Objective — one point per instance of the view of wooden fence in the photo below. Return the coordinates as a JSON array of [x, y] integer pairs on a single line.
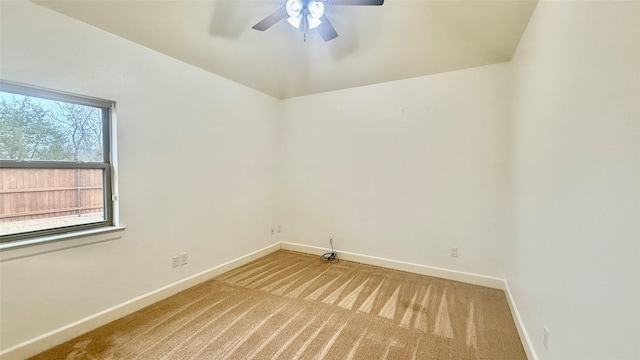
[[27, 194]]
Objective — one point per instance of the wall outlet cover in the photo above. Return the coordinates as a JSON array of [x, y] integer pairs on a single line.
[[453, 251]]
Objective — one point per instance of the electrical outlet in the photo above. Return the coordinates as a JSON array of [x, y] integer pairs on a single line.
[[175, 261], [279, 228], [453, 251], [273, 231], [183, 259], [545, 338]]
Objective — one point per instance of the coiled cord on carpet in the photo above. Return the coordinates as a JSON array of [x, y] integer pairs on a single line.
[[331, 257]]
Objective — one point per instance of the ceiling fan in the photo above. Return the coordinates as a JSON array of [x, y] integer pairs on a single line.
[[309, 14]]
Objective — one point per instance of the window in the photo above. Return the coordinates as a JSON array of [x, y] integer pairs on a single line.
[[55, 168]]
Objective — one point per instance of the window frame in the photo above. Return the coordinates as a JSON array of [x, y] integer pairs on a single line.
[[107, 107]]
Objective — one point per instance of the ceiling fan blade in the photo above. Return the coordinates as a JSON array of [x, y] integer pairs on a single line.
[[356, 2], [271, 20], [326, 30]]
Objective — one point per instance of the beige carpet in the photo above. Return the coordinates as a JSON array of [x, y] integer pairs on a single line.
[[289, 305]]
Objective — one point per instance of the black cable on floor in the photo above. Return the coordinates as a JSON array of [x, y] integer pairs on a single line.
[[332, 256]]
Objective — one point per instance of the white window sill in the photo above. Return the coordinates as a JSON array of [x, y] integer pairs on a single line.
[[46, 244]]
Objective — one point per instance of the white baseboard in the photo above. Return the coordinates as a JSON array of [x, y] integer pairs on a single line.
[[68, 332], [59, 336], [470, 278], [522, 331]]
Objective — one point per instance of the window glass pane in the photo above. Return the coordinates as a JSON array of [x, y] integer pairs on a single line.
[[54, 166], [38, 199], [37, 129]]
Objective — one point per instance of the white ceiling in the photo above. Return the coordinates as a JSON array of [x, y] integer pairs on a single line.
[[399, 40]]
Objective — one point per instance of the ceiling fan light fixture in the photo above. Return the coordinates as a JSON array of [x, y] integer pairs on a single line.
[[294, 21], [294, 8], [316, 9], [313, 22]]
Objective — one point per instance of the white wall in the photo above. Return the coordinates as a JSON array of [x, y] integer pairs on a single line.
[[197, 165], [574, 264], [402, 170]]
